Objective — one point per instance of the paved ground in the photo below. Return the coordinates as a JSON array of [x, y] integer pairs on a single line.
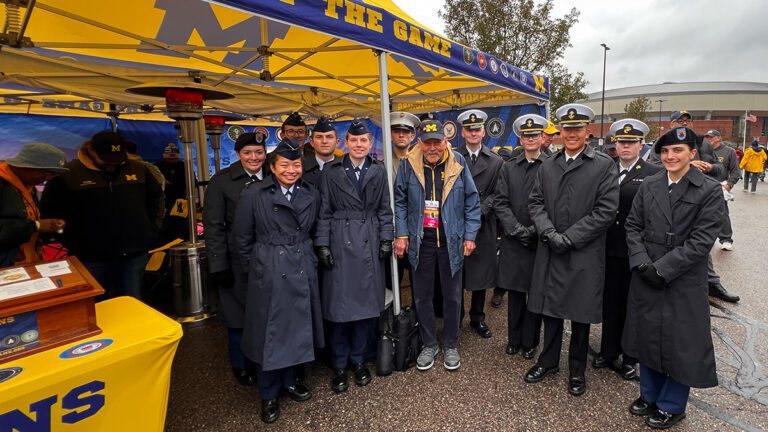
[[488, 392]]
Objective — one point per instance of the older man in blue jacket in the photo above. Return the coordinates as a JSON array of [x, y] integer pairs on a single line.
[[437, 217]]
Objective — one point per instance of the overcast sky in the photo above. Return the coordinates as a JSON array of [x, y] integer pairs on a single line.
[[654, 41]]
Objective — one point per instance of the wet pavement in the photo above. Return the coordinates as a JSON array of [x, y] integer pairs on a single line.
[[488, 391]]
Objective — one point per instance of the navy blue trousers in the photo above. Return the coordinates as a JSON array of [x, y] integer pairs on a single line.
[[349, 341], [668, 394], [431, 258], [236, 357], [270, 382]]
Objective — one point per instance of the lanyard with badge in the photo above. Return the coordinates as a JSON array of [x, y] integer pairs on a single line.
[[431, 213]]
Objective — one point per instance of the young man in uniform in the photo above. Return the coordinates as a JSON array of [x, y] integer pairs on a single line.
[[628, 137], [437, 217], [324, 141], [283, 323], [673, 223], [403, 127], [354, 237], [226, 271], [573, 203], [295, 128], [484, 165], [519, 242]]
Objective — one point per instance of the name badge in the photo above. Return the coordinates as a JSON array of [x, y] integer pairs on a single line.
[[431, 213]]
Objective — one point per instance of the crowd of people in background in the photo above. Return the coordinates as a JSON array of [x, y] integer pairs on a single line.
[[300, 241]]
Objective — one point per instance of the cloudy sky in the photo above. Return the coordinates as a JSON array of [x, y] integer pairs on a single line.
[[654, 41]]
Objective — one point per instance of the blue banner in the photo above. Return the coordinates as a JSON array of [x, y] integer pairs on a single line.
[[378, 28], [151, 137]]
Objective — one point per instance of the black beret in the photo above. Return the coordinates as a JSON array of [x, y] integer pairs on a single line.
[[681, 135], [250, 138]]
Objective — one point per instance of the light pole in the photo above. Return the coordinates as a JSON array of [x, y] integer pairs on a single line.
[[660, 101], [602, 103]]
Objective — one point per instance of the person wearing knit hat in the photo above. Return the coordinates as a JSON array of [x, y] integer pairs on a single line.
[[20, 221], [113, 208]]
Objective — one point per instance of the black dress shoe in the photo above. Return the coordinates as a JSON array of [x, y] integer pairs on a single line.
[[577, 385], [244, 377], [481, 328], [641, 408], [512, 350], [628, 372], [529, 353], [717, 290], [270, 410], [600, 362], [298, 392], [362, 374], [662, 420], [339, 381], [538, 373], [496, 300]]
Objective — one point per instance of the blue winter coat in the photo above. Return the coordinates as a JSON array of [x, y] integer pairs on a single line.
[[283, 319], [460, 207]]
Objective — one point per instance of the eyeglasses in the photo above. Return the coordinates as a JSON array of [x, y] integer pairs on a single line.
[[295, 132], [683, 121]]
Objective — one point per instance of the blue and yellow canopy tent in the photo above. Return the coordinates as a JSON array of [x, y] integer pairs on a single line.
[[329, 57]]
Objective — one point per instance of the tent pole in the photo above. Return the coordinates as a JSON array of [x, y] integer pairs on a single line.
[[386, 142]]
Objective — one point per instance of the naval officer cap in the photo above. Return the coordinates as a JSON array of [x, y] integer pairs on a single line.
[[681, 135], [472, 119], [574, 115], [288, 149], [358, 127], [629, 130], [529, 124], [403, 120], [323, 125]]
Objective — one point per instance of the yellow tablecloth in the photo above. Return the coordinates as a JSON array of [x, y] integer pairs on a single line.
[[123, 386]]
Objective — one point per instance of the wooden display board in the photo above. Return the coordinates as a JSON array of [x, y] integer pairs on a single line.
[[43, 311]]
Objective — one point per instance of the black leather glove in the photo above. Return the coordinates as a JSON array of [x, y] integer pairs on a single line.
[[518, 231], [650, 275], [324, 256], [559, 243], [222, 279], [528, 237], [385, 249]]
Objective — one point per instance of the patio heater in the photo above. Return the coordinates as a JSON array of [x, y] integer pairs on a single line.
[[214, 127], [188, 264]]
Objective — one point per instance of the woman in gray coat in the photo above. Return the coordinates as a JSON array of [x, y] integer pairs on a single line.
[[226, 272], [672, 226]]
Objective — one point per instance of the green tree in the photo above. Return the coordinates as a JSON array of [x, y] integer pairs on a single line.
[[522, 32], [639, 109]]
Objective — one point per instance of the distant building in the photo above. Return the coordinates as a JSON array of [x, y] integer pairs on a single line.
[[714, 105]]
